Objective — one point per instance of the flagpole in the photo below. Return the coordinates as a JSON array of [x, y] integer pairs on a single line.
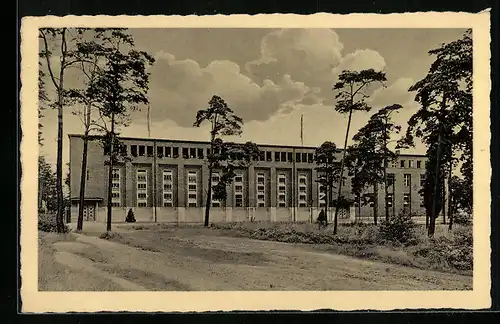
[[302, 130], [149, 120]]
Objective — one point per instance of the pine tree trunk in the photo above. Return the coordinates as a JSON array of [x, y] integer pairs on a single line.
[[209, 197], [341, 178], [386, 193], [359, 207], [110, 172], [443, 201], [375, 203], [83, 176], [433, 216], [450, 200], [59, 163], [83, 179]]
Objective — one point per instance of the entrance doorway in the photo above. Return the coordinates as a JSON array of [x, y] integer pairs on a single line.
[[89, 212]]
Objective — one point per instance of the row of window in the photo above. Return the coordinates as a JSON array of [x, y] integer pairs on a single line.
[[408, 164], [199, 153], [192, 185]]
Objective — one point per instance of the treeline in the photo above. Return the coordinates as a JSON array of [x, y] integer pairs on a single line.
[[443, 123]]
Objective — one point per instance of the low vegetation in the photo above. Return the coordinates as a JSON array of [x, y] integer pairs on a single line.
[[398, 241], [47, 223]]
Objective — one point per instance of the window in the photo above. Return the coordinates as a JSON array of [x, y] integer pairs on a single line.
[[123, 149], [310, 158], [390, 200], [407, 180], [277, 156], [402, 163], [281, 178], [297, 157], [192, 153], [419, 164], [185, 153], [269, 156], [142, 188], [391, 179], [192, 189], [115, 187], [168, 200], [302, 190], [238, 200], [200, 153], [304, 157], [150, 150], [422, 179], [159, 151], [215, 178], [261, 190], [290, 157], [410, 163], [283, 156], [133, 150], [215, 181], [321, 195], [262, 156], [422, 201], [142, 150], [168, 151], [406, 199], [175, 153], [238, 178]]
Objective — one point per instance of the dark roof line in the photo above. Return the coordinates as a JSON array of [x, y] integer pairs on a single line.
[[207, 143]]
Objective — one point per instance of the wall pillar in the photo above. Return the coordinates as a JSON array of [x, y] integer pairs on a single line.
[[129, 196], [251, 187]]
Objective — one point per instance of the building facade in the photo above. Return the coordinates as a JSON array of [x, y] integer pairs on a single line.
[[167, 181]]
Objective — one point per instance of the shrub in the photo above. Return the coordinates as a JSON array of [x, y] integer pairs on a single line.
[[399, 229], [462, 218], [47, 223], [130, 216], [110, 236]]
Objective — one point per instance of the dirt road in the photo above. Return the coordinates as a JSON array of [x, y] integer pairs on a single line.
[[196, 260]]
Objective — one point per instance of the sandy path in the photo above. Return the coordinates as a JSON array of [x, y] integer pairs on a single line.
[[198, 262]]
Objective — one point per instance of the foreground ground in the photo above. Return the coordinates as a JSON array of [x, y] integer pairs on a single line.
[[204, 259]]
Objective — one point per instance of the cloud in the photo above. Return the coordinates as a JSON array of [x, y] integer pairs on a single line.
[[395, 93], [179, 88], [311, 56], [360, 60], [308, 55]]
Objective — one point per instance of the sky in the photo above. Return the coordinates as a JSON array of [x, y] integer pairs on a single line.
[[270, 78]]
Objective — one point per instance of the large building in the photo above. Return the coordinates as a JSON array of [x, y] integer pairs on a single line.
[[167, 180]]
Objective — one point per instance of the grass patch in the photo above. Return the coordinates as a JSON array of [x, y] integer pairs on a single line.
[[447, 252]]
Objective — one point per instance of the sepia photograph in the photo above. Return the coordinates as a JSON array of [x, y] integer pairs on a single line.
[[288, 159]]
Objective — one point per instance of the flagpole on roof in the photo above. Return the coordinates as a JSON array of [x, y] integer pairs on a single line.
[[149, 120], [302, 130]]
